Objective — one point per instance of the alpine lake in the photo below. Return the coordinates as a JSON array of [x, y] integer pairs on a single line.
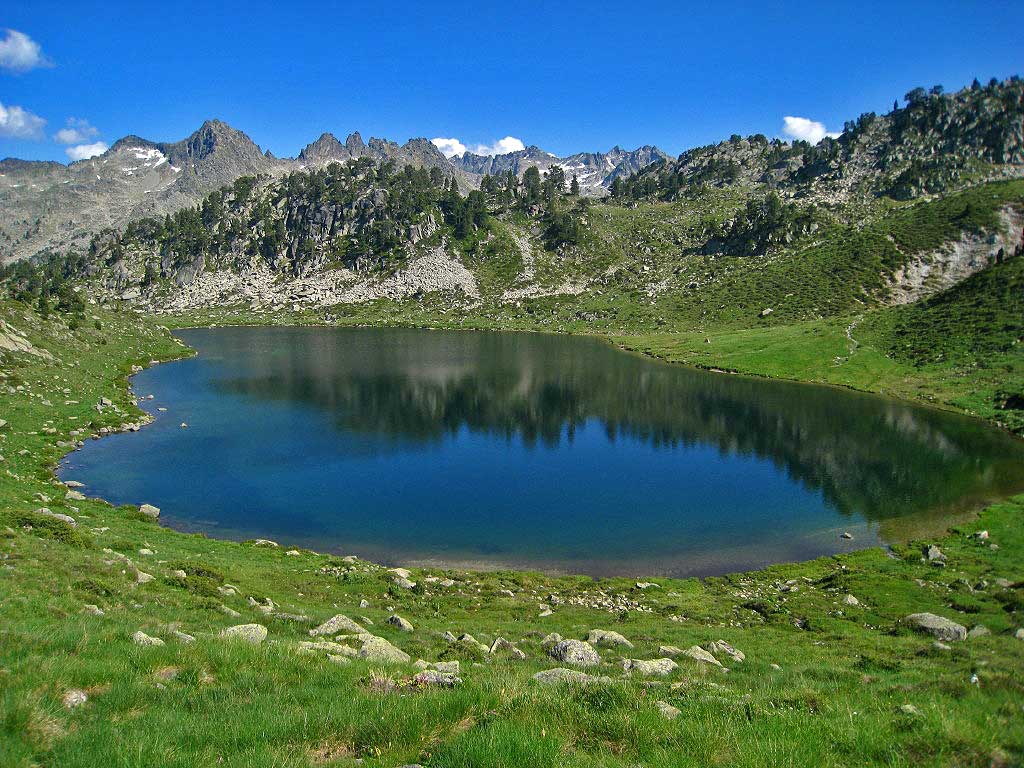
[[518, 450]]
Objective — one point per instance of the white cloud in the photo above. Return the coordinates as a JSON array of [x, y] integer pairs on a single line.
[[500, 147], [20, 53], [805, 129], [449, 147], [19, 123], [77, 131], [455, 148], [85, 151]]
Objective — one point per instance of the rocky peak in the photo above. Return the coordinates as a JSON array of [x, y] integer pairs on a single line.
[[325, 149]]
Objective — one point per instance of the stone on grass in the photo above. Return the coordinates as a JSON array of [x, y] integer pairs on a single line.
[[92, 610], [501, 645], [141, 638], [326, 646], [650, 667], [227, 611], [722, 648], [607, 638], [340, 659], [337, 625], [141, 577], [265, 543], [46, 512], [851, 601], [979, 630], [670, 650], [1019, 634], [380, 650], [697, 653], [250, 633], [403, 582], [183, 637], [150, 511], [551, 639], [397, 621], [937, 626], [909, 709], [76, 697], [934, 554], [667, 710], [576, 652]]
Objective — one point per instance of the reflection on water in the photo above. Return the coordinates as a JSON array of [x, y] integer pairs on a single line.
[[534, 450]]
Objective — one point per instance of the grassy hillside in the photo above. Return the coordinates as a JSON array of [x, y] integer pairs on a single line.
[[826, 680]]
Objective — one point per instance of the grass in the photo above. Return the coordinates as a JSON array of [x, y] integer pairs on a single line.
[[822, 684]]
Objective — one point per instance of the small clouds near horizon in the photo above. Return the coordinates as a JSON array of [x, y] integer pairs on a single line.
[[20, 53], [805, 129], [76, 131], [18, 123], [85, 151], [451, 147]]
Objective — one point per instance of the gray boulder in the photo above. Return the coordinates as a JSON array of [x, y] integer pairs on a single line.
[[937, 626], [336, 625], [397, 621], [380, 650], [250, 633], [575, 652], [607, 638], [650, 667]]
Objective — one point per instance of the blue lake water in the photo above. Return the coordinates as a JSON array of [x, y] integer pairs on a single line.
[[526, 450]]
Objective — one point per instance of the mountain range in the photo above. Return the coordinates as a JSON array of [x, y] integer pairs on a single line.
[[50, 206]]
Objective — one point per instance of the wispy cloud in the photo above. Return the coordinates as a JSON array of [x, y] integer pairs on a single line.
[[85, 151], [19, 123], [20, 53], [76, 131], [805, 129], [451, 147]]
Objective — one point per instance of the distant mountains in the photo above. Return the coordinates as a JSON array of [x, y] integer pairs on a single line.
[[47, 205]]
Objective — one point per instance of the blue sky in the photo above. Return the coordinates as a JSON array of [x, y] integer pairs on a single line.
[[567, 76]]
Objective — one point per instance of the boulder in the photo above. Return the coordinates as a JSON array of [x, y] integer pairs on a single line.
[[576, 652], [979, 630], [501, 645], [397, 621], [380, 650], [326, 646], [141, 638], [722, 648], [250, 633], [607, 638], [667, 710], [150, 511], [937, 626], [650, 667], [697, 653], [46, 512], [336, 625]]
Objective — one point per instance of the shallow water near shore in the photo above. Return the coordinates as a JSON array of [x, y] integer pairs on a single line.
[[531, 451]]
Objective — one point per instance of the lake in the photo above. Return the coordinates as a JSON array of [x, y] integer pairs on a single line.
[[524, 450]]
